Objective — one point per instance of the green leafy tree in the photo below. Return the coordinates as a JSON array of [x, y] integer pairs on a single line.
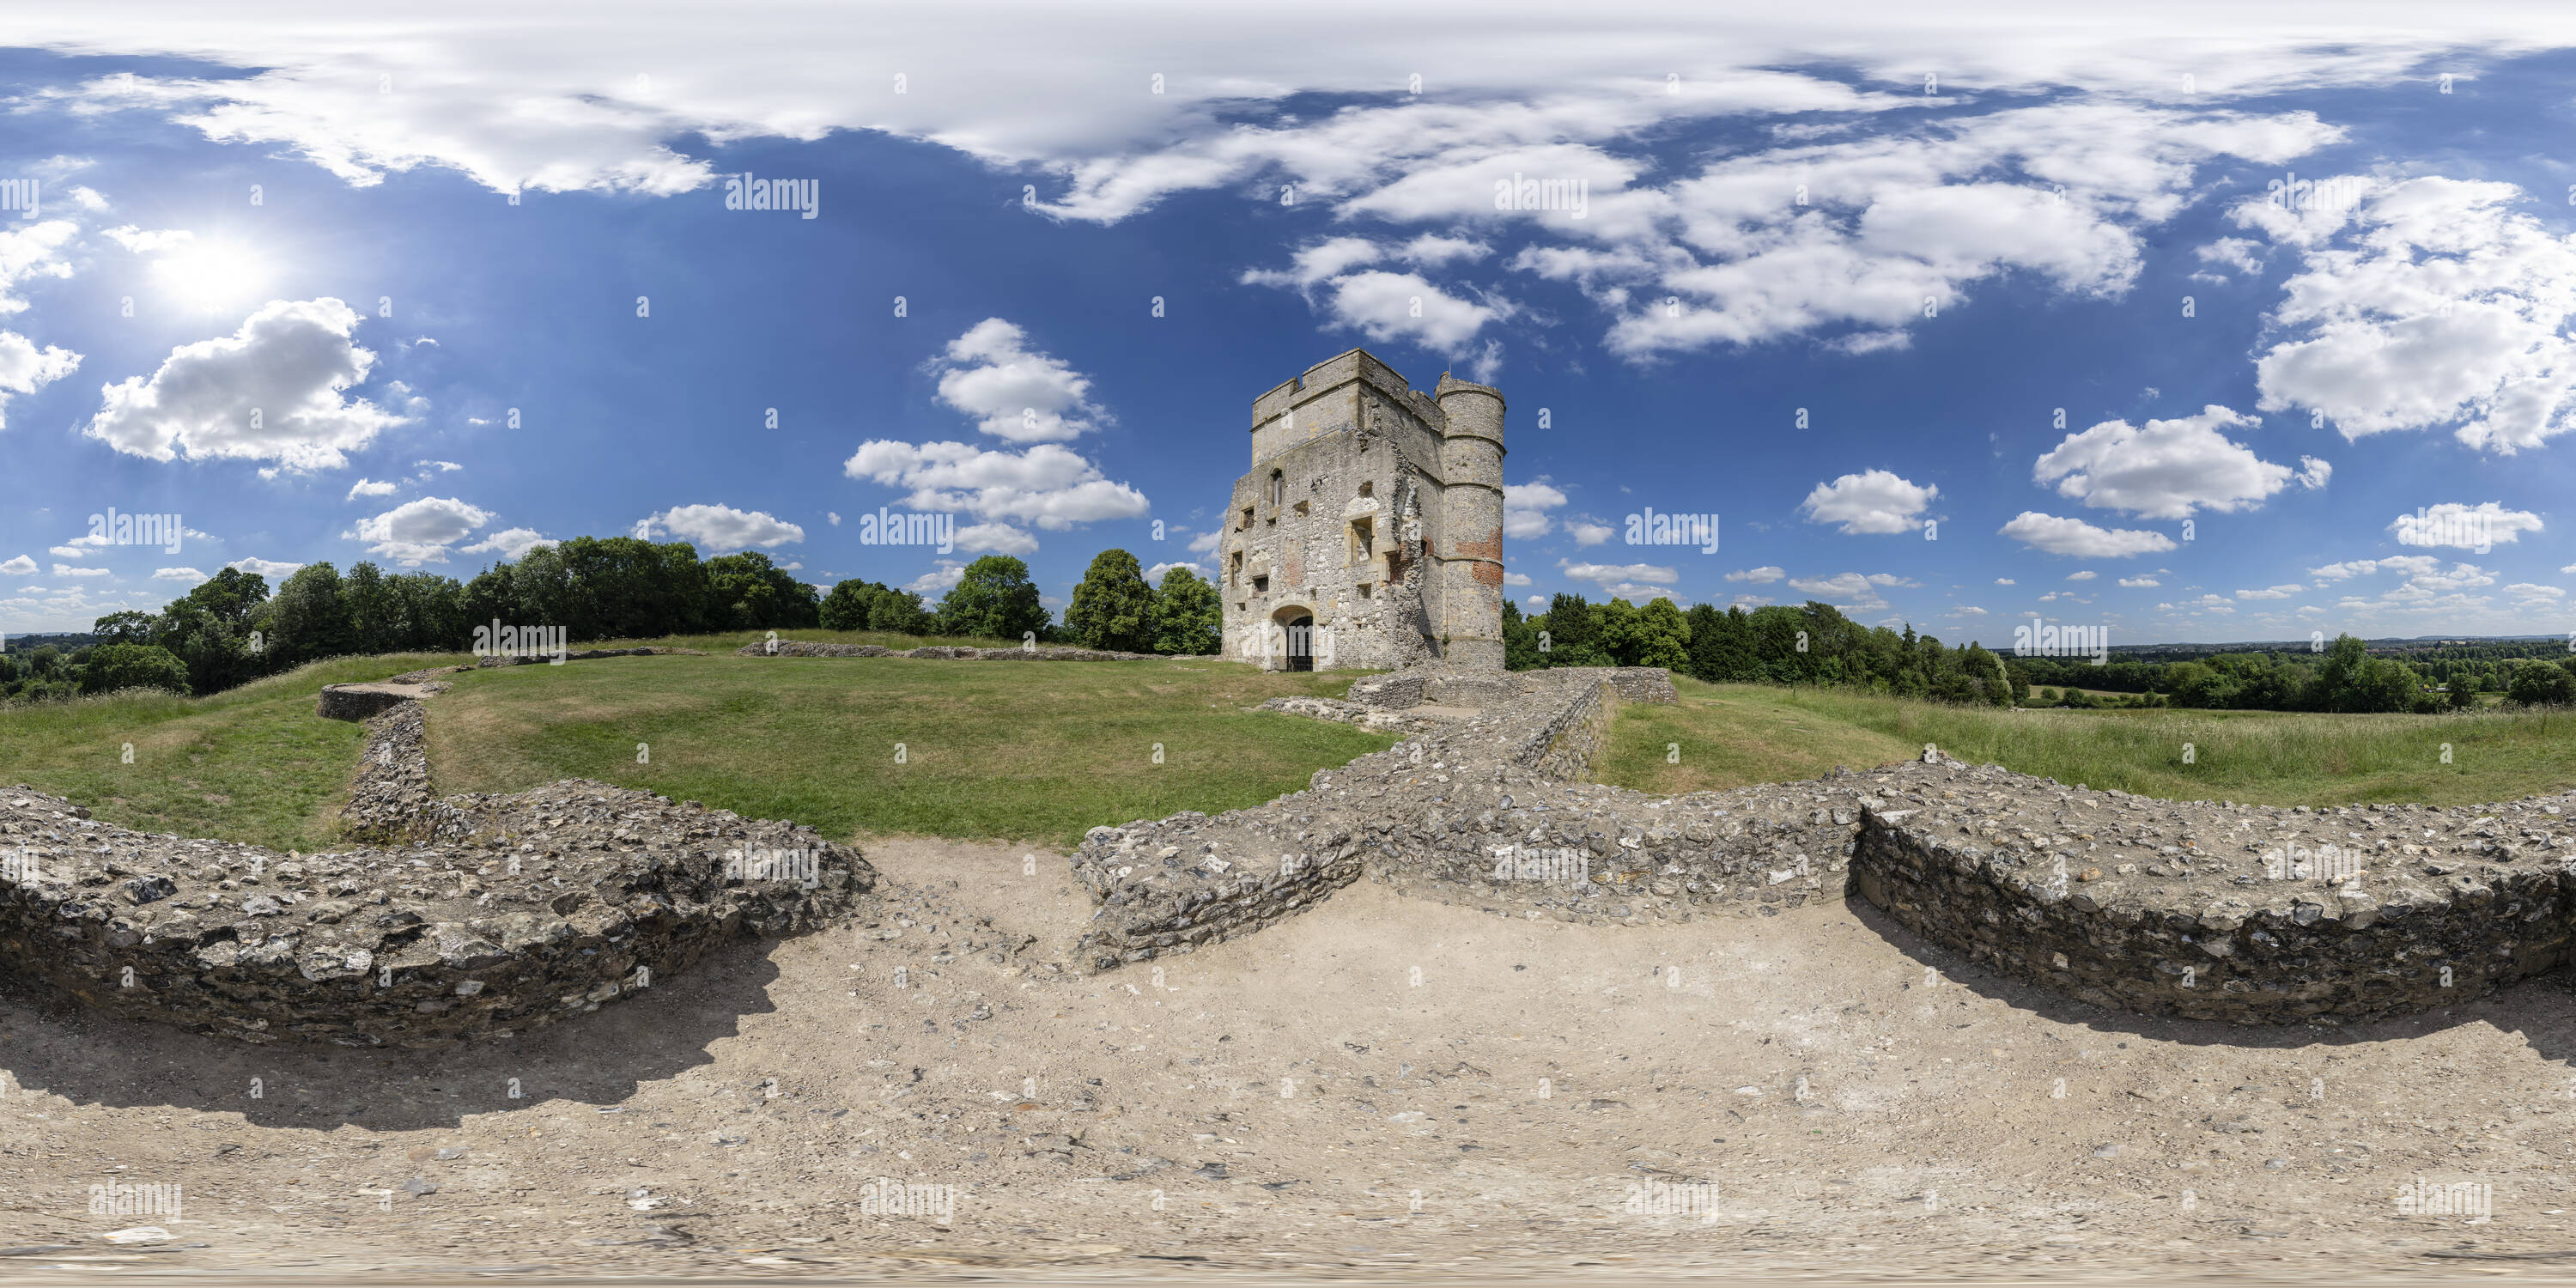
[[112, 667], [1113, 606], [308, 619], [760, 595], [1187, 616], [993, 599], [1656, 635], [2541, 684], [124, 628], [846, 607], [1520, 640]]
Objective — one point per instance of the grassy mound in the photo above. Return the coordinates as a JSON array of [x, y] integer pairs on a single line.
[[1038, 751], [1734, 734], [253, 764]]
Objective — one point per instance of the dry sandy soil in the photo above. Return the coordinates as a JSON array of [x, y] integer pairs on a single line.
[[1381, 1089]]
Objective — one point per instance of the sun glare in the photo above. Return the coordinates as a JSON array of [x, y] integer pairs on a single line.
[[211, 275]]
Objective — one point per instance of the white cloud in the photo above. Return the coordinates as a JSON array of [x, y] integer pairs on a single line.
[[724, 529], [443, 467], [1516, 579], [510, 543], [1047, 485], [2086, 575], [2272, 592], [1849, 591], [1525, 507], [149, 242], [1626, 580], [2478, 527], [832, 517], [2165, 470], [2314, 472], [1013, 392], [369, 487], [1873, 502], [2533, 595], [1154, 575], [273, 390], [268, 568], [2005, 581], [937, 581], [419, 532], [22, 566], [189, 575], [1207, 541], [2062, 536], [66, 570], [2137, 583], [997, 538], [25, 368], [2239, 253], [1759, 576], [2432, 302], [68, 552], [1588, 533]]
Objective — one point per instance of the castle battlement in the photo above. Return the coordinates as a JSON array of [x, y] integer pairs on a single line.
[[1368, 532]]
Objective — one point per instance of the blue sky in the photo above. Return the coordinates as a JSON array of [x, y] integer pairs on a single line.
[[2065, 337]]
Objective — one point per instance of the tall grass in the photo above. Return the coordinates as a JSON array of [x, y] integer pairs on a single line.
[[2269, 758]]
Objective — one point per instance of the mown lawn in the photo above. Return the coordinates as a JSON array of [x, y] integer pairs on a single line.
[[1034, 751], [253, 764], [1734, 734]]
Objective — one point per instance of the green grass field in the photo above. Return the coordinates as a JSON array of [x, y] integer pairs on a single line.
[[1734, 734], [253, 764], [1037, 751]]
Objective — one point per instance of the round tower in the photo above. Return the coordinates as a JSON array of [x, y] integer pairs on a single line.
[[1471, 524]]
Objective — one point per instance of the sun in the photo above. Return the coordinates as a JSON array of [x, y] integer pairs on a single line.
[[211, 274]]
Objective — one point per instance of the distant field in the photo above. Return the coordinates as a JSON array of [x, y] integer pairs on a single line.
[[1731, 735], [1037, 751], [253, 764]]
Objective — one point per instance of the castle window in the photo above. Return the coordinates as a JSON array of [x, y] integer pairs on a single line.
[[1301, 507], [1368, 489], [1278, 489], [1247, 517], [1365, 589], [1235, 578], [1261, 585], [1363, 540]]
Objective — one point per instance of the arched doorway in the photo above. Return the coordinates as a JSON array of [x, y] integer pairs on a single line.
[[1296, 638]]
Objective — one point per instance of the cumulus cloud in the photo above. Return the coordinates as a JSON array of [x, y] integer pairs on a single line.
[[723, 528], [2164, 470], [419, 532], [1525, 507], [66, 570], [996, 538], [1850, 591], [1516, 579], [189, 576], [2271, 592], [1048, 486], [25, 368], [1873, 502], [2075, 537], [271, 569], [2137, 583], [1206, 541], [273, 390], [1013, 392], [1608, 576], [1589, 533], [509, 543], [1759, 576], [1154, 575], [2430, 302], [21, 566], [2478, 527], [1390, 306], [939, 579], [369, 487]]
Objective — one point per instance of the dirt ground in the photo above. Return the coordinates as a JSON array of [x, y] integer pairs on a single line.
[[1380, 1089]]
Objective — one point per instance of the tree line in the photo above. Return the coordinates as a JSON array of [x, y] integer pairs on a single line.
[[231, 629], [1815, 643]]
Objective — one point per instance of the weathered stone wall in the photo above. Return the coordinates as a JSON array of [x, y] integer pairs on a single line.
[[483, 916]]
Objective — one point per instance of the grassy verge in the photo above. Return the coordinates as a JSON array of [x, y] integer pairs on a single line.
[[1732, 735], [1038, 751], [253, 764]]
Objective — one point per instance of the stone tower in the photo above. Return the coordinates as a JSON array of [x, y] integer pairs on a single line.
[[1369, 531]]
